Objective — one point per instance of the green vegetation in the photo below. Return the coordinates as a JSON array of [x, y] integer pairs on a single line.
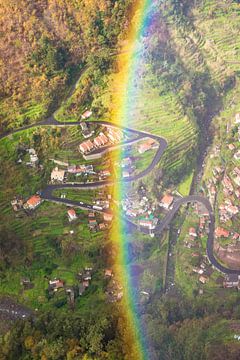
[[41, 62], [46, 244], [190, 74], [185, 186]]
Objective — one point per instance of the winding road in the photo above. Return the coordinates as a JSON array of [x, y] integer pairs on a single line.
[[47, 193]]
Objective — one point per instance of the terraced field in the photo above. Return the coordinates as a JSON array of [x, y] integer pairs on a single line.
[[218, 24], [160, 114]]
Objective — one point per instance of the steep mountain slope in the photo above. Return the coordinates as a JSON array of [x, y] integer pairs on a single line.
[[44, 45]]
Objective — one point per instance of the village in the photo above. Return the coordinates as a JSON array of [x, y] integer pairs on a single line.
[[137, 206], [98, 141], [223, 190]]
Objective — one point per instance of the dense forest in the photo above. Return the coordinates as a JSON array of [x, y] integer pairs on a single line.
[[44, 45]]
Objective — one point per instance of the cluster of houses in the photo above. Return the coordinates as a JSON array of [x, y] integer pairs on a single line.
[[140, 210], [126, 164], [17, 203], [227, 210], [94, 225], [191, 241], [110, 137], [80, 169], [61, 175], [84, 277], [201, 231], [86, 131], [232, 281], [31, 204], [193, 234], [32, 161], [224, 234], [114, 291], [204, 270], [166, 202], [230, 183]]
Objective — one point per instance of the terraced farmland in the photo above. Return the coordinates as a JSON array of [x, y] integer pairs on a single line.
[[218, 24]]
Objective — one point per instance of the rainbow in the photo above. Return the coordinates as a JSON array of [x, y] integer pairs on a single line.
[[128, 65]]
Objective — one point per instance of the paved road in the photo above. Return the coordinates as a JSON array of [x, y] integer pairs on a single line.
[[47, 193], [10, 310]]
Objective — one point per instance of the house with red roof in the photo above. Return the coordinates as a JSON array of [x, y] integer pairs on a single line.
[[86, 146], [108, 273], [166, 201], [220, 232], [146, 146], [108, 216], [114, 135], [33, 202], [55, 285], [100, 140], [72, 215]]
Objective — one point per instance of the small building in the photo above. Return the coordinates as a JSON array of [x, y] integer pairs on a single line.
[[147, 223], [57, 175], [55, 285], [34, 160], [72, 215], [108, 217], [100, 140], [17, 204], [237, 155], [203, 279], [91, 215], [87, 114], [92, 222], [102, 226], [237, 118], [105, 173], [85, 130], [86, 147], [220, 232], [126, 162], [231, 281], [114, 135], [132, 213], [166, 201], [33, 202], [232, 210], [87, 276], [231, 147], [108, 273], [192, 232], [195, 254], [26, 283], [202, 211], [146, 146], [125, 174]]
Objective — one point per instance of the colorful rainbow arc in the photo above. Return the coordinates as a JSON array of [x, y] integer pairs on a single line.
[[129, 62]]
